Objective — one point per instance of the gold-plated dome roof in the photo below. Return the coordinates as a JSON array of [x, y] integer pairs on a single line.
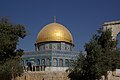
[[54, 32]]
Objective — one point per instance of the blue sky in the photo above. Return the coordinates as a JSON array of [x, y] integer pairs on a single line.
[[81, 17]]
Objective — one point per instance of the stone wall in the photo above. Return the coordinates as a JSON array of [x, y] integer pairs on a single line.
[[59, 75], [43, 75]]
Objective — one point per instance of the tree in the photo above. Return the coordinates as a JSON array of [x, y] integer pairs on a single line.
[[102, 56], [10, 70], [75, 68], [9, 54], [110, 52]]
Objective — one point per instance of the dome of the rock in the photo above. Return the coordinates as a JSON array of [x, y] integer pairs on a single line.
[[54, 32]]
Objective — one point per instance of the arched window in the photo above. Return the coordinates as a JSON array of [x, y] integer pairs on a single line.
[[47, 46], [48, 62], [61, 63], [55, 62], [66, 63], [29, 64], [38, 62], [43, 61], [58, 46]]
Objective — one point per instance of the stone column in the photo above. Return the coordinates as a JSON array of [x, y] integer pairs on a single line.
[[32, 68], [52, 62], [58, 62], [63, 62], [26, 68], [35, 68], [45, 61], [39, 68]]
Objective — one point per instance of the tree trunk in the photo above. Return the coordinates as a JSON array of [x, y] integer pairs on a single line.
[[106, 76]]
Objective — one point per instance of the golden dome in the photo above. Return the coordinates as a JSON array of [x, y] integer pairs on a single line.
[[54, 32]]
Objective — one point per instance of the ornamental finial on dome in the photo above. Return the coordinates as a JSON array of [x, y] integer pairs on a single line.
[[54, 19]]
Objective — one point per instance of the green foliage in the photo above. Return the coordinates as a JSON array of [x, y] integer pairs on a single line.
[[10, 69], [109, 52], [76, 68], [10, 56], [9, 38], [102, 56]]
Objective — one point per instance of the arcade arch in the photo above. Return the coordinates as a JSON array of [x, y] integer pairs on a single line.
[[115, 28]]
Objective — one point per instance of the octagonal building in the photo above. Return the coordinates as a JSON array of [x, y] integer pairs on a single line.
[[53, 50]]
